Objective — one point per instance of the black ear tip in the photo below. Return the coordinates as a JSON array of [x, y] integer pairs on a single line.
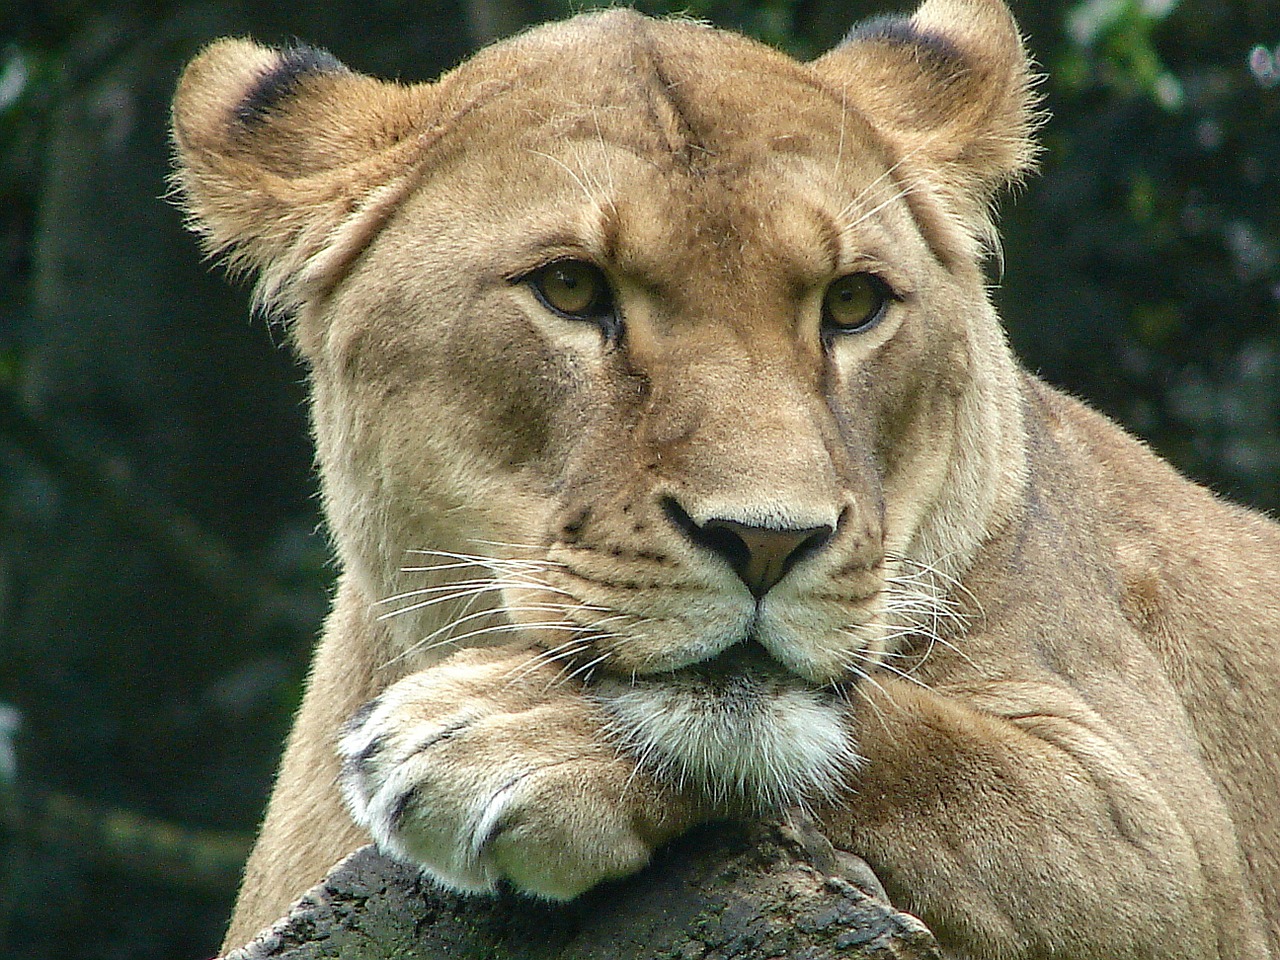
[[279, 82], [884, 26], [904, 31]]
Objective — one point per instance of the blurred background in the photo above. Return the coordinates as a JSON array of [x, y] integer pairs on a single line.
[[162, 574]]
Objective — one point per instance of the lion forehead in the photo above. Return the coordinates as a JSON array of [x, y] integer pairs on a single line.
[[670, 91]]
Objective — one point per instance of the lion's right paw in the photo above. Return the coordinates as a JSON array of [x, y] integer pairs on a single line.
[[484, 769]]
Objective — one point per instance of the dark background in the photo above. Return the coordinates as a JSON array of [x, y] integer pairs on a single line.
[[161, 571]]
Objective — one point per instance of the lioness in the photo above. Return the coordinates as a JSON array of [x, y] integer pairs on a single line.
[[678, 468]]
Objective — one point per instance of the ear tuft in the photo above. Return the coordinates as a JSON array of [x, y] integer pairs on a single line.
[[283, 78]]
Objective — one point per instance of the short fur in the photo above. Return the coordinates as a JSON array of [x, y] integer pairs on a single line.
[[1021, 667]]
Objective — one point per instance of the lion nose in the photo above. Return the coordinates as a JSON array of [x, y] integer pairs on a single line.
[[760, 556]]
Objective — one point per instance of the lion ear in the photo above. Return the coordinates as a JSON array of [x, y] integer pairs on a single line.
[[951, 88], [284, 159]]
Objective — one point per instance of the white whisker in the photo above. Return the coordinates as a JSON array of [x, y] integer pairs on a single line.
[[478, 559], [461, 586], [516, 546], [901, 194], [877, 183], [586, 668], [434, 601], [569, 170], [438, 638], [565, 651]]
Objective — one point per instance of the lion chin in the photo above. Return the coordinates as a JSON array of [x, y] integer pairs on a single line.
[[736, 727]]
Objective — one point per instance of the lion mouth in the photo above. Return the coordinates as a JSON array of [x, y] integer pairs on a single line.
[[745, 667]]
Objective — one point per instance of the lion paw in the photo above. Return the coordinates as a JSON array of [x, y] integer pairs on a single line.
[[484, 769]]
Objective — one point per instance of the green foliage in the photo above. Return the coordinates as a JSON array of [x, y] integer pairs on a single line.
[[1114, 42], [1143, 265]]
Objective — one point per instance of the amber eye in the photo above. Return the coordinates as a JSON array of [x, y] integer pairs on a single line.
[[573, 289], [854, 302]]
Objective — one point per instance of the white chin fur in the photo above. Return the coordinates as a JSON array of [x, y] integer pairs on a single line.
[[761, 743]]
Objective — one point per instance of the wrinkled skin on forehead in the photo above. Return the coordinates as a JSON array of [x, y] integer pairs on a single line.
[[677, 468]]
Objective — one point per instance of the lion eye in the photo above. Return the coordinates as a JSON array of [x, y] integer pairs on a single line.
[[573, 289], [854, 302]]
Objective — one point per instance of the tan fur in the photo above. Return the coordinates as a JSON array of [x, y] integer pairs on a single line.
[[1030, 675]]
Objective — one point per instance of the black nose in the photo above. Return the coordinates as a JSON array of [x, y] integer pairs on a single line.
[[760, 556]]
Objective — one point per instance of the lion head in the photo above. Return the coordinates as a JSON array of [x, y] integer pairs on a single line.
[[649, 345]]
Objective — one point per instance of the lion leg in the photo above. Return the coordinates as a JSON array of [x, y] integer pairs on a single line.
[[1020, 832]]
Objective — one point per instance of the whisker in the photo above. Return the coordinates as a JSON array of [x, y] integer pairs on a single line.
[[506, 566], [569, 647], [463, 586], [846, 693], [910, 155], [935, 570], [458, 591], [504, 582], [477, 559], [867, 676], [461, 565], [434, 601], [516, 546], [569, 170], [608, 167], [840, 149], [864, 193], [892, 654], [432, 640], [564, 651], [901, 194], [586, 668], [876, 184], [503, 611], [515, 628], [903, 674]]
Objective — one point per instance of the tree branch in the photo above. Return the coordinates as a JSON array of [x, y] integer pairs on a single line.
[[124, 840], [745, 892]]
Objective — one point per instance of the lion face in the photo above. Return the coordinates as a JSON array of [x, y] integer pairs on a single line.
[[670, 358]]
